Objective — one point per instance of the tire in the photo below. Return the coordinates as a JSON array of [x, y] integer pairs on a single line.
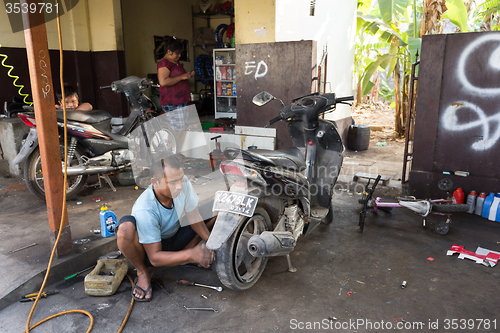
[[238, 276], [163, 139], [449, 208], [33, 175], [442, 228]]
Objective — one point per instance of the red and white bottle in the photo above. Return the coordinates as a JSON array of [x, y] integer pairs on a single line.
[[471, 201], [480, 202]]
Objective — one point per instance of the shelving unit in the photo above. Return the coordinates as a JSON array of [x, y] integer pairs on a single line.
[[225, 83]]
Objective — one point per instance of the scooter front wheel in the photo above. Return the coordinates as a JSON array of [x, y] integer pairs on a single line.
[[236, 267], [33, 174]]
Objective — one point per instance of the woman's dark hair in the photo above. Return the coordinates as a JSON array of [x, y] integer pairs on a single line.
[[174, 45]]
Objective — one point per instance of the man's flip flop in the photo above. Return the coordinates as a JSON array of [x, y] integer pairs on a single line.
[[144, 299]]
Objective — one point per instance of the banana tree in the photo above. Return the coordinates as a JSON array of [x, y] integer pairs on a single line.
[[397, 23], [391, 21]]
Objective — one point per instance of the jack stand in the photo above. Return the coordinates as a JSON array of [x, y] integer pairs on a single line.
[[108, 181], [290, 267], [216, 156]]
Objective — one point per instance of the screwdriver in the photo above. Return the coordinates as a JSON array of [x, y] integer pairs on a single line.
[[77, 273], [189, 283]]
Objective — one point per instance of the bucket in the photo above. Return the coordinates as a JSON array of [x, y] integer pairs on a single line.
[[358, 137]]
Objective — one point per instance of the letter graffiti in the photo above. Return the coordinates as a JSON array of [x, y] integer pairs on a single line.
[[449, 118], [261, 68]]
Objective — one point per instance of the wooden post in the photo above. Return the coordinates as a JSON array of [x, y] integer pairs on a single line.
[[35, 34]]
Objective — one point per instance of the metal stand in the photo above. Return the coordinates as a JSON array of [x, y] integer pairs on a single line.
[[290, 267]]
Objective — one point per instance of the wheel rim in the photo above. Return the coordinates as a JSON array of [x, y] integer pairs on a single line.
[[163, 140], [73, 182], [247, 267]]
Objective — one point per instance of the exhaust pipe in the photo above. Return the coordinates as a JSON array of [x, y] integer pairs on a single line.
[[90, 170], [271, 244]]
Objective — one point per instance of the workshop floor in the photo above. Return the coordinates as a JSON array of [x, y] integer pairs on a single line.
[[345, 281]]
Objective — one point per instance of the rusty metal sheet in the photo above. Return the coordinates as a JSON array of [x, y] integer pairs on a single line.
[[284, 69]]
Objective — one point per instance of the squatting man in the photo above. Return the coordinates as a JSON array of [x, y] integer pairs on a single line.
[[153, 236]]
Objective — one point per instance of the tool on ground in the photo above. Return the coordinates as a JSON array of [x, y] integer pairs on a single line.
[[201, 309], [189, 283], [22, 248], [32, 297], [77, 273]]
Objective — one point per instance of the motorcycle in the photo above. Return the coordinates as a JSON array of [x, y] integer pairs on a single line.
[[92, 148], [276, 196]]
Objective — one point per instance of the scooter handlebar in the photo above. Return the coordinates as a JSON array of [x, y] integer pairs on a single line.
[[272, 121], [345, 99]]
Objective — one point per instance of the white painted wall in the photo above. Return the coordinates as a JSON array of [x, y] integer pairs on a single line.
[[333, 26]]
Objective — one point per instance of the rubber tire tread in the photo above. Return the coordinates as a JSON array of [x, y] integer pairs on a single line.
[[224, 256], [33, 188], [450, 208]]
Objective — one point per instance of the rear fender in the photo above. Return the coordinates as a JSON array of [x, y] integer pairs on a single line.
[[224, 227], [28, 147]]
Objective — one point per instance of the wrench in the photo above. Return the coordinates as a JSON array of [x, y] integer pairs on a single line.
[[201, 309], [189, 283]]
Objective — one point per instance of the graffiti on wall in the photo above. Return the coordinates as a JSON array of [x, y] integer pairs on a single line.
[[490, 125], [260, 69]]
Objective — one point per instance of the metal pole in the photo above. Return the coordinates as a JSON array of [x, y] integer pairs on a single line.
[[35, 35]]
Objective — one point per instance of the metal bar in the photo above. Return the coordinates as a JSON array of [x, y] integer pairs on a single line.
[[35, 35], [409, 121]]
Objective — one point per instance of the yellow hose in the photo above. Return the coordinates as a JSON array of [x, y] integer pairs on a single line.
[[15, 77], [62, 217]]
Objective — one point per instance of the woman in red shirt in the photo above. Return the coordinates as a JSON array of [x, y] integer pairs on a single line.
[[174, 87]]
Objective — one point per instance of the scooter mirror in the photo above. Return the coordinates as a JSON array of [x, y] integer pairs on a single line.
[[262, 98]]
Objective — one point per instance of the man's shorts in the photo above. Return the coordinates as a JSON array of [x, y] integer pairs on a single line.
[[175, 243], [177, 115]]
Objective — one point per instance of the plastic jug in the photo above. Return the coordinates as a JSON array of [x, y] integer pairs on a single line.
[[479, 203], [494, 208], [471, 201], [108, 222], [458, 196], [487, 205]]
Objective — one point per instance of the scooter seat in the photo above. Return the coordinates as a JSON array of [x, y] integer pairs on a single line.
[[290, 158], [89, 117]]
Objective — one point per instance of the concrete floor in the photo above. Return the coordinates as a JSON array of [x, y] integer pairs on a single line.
[[345, 281]]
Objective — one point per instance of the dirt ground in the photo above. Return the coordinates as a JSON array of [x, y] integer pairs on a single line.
[[381, 119]]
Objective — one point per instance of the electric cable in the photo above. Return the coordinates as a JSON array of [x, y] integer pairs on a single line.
[[15, 77], [64, 212]]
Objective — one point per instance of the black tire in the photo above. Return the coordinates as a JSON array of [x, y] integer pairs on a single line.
[[442, 228], [450, 208], [33, 175], [162, 140], [241, 276]]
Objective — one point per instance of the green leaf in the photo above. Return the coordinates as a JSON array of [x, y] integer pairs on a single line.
[[377, 26], [370, 70], [414, 45], [457, 13], [390, 10], [393, 50]]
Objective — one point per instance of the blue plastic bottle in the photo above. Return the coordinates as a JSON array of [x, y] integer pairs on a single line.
[[487, 205], [108, 222], [495, 209]]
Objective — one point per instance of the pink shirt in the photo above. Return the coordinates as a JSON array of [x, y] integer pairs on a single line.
[[179, 93]]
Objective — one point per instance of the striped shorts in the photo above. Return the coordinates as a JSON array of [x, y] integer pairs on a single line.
[[177, 115]]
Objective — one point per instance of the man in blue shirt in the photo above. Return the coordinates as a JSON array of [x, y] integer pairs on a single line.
[[152, 235]]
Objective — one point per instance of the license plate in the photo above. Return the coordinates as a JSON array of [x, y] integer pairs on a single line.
[[237, 203]]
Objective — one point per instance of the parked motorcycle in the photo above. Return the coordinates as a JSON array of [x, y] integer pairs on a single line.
[[275, 196], [92, 147]]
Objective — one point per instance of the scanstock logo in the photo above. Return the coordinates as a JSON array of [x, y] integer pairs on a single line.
[[50, 8]]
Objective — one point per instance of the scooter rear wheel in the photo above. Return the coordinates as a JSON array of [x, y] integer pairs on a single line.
[[236, 267], [33, 174]]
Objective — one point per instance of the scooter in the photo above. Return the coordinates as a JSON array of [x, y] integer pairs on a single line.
[[276, 196], [92, 148]]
